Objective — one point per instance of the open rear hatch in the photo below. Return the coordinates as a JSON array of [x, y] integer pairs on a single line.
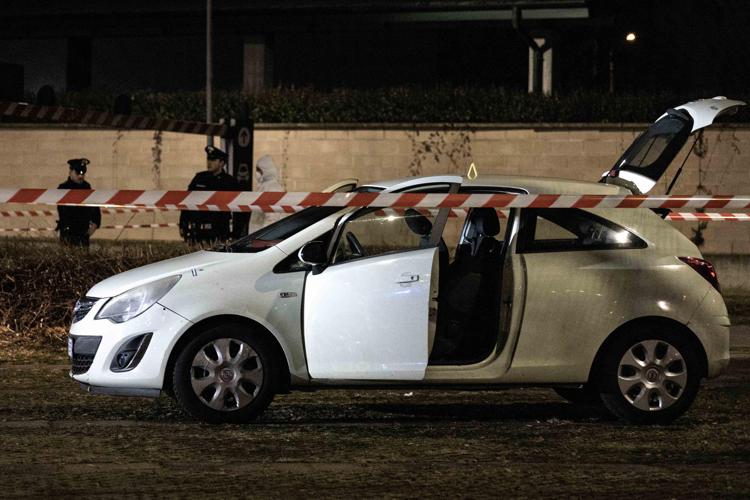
[[649, 156], [342, 186]]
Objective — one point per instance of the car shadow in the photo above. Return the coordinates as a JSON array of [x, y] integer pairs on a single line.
[[403, 413], [493, 412]]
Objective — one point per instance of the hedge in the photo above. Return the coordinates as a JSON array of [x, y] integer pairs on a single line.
[[41, 280], [400, 105]]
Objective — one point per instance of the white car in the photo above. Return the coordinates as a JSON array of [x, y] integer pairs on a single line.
[[604, 305]]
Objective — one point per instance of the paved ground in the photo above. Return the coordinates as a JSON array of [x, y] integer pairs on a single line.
[[56, 440]]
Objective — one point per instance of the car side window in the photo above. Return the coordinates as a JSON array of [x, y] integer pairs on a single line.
[[379, 231], [562, 230], [546, 231]]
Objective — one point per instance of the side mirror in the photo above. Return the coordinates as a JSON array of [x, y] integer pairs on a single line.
[[314, 254]]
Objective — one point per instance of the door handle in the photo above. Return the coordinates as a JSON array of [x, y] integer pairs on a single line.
[[408, 278]]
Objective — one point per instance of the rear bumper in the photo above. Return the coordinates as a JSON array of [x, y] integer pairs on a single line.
[[718, 367], [710, 323], [715, 339]]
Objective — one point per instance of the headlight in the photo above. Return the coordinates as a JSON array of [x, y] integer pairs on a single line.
[[137, 300]]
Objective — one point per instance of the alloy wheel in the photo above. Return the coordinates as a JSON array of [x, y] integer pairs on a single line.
[[226, 374], [652, 375]]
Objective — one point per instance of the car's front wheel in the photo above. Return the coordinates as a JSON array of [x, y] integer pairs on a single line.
[[650, 375], [227, 374]]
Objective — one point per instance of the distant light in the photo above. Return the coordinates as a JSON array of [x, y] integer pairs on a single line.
[[630, 37]]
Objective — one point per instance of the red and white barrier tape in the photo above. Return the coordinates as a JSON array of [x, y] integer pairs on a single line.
[[115, 226], [52, 213], [700, 216], [458, 212], [27, 213], [245, 200], [102, 119]]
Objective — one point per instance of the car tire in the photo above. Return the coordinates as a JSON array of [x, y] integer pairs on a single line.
[[226, 374], [650, 375], [588, 395]]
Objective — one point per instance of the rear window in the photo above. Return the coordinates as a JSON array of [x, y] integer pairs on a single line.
[[564, 230], [652, 152]]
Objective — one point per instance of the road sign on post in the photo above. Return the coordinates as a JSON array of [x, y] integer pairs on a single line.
[[240, 145]]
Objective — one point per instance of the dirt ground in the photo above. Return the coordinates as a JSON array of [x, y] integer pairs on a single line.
[[57, 440]]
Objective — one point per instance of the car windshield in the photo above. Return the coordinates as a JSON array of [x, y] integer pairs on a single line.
[[278, 231]]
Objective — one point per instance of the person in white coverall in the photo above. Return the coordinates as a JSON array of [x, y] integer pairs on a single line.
[[266, 179]]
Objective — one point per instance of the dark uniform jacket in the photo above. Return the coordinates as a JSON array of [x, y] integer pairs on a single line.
[[74, 221], [206, 226]]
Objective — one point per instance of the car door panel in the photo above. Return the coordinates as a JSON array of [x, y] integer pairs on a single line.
[[367, 319]]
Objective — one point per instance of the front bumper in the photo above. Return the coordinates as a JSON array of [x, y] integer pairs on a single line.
[[165, 327], [121, 391]]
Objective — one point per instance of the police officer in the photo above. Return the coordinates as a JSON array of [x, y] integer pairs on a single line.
[[198, 226], [77, 224]]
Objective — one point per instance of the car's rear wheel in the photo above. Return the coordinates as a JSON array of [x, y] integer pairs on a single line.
[[227, 374], [650, 375]]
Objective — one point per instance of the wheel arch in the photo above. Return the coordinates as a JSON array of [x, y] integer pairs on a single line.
[[649, 320], [213, 321]]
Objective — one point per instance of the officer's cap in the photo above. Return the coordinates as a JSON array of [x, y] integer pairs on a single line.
[[213, 153], [79, 165]]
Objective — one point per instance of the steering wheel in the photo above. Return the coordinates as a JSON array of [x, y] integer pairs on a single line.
[[354, 245]]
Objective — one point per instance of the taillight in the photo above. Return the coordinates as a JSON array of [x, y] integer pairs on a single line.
[[704, 268]]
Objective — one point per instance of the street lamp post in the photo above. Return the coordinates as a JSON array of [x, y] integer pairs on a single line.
[[209, 72]]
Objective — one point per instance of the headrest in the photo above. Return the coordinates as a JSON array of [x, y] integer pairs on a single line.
[[485, 221], [417, 222]]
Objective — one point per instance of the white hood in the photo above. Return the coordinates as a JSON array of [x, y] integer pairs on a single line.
[[267, 175], [123, 282]]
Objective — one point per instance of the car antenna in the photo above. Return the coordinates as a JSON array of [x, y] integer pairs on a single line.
[[698, 136], [472, 173]]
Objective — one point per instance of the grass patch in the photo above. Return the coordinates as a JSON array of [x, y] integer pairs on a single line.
[[41, 281]]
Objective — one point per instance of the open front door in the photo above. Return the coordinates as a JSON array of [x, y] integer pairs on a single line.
[[367, 315], [368, 320]]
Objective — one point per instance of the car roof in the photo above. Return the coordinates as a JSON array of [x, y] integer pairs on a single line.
[[529, 184]]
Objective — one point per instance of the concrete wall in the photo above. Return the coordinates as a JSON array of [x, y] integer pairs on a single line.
[[309, 158], [733, 271]]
